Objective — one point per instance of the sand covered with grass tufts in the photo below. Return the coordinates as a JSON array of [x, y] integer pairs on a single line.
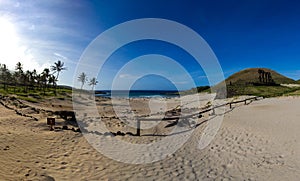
[[258, 141]]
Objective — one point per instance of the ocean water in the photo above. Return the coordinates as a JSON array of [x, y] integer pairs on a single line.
[[138, 93]]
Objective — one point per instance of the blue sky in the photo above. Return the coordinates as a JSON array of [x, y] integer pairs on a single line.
[[242, 34]]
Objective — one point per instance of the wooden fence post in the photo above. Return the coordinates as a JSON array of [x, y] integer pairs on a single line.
[[138, 127], [51, 122]]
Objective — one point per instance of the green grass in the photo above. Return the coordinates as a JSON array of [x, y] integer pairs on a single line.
[[241, 83], [29, 99], [295, 93], [265, 91], [202, 89], [36, 94]]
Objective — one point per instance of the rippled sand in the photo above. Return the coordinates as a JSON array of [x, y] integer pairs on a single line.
[[259, 141]]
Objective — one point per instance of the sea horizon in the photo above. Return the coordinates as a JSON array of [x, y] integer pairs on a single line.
[[137, 93]]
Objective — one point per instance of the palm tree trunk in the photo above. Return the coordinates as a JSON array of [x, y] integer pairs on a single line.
[[56, 79]]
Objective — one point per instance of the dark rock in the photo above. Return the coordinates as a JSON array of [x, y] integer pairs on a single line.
[[120, 133], [129, 133], [46, 178]]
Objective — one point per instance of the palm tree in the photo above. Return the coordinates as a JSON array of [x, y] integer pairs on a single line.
[[82, 78], [19, 67], [93, 82], [19, 73], [38, 79], [8, 78], [45, 77], [57, 68], [4, 76], [34, 80], [52, 80], [27, 79], [30, 78]]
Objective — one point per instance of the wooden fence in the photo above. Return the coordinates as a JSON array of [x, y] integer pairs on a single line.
[[198, 114]]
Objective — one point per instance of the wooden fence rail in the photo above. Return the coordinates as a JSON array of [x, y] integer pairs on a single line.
[[198, 114]]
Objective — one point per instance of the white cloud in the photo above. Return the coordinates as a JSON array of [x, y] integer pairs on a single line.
[[60, 56], [127, 76]]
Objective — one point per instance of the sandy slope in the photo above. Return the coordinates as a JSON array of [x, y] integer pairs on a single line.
[[259, 141]]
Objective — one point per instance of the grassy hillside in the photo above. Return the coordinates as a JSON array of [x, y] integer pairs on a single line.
[[251, 75], [247, 82]]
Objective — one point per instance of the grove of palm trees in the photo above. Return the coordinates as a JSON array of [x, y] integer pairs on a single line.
[[31, 85]]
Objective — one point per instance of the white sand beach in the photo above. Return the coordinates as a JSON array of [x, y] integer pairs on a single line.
[[258, 141]]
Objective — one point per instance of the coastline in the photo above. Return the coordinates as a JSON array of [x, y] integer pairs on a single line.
[[137, 93]]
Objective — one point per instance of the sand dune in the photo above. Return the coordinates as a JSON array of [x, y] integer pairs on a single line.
[[259, 141]]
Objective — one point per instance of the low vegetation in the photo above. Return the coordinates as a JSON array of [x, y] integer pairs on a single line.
[[254, 81], [21, 81], [30, 85], [261, 76], [265, 91], [199, 89], [259, 82], [36, 95], [294, 93]]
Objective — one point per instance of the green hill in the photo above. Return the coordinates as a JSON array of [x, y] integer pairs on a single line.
[[251, 75], [253, 81], [250, 82]]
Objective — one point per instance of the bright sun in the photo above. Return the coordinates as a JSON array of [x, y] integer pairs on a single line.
[[12, 50], [8, 42]]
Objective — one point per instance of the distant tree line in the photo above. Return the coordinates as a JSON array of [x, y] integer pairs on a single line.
[[30, 80]]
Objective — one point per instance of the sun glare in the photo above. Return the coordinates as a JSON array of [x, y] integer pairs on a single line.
[[8, 42], [12, 50]]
